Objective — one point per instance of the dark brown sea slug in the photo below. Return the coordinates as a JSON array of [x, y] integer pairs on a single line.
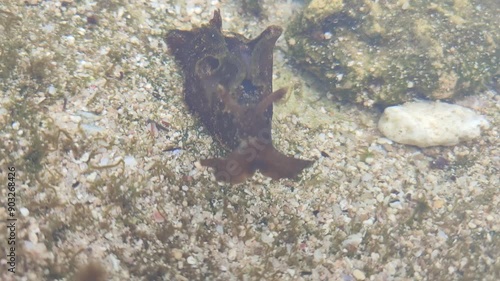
[[228, 85]]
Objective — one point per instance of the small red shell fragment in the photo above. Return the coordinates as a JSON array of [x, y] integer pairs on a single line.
[[158, 217]]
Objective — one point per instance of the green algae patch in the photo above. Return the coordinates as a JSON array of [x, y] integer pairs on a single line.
[[381, 53]]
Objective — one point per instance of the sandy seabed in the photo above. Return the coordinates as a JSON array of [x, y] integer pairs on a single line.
[[108, 185]]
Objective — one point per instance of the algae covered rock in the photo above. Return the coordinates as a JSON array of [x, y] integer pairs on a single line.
[[389, 52]]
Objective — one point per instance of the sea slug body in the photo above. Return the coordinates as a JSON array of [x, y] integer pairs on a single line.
[[228, 85]]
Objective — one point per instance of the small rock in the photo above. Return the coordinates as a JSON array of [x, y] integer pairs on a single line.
[[472, 225], [396, 205], [24, 212], [197, 10], [220, 229], [177, 253], [353, 240], [130, 161], [318, 254], [358, 274], [268, 239], [231, 255], [114, 261], [33, 237], [442, 234], [427, 124], [92, 177], [192, 261], [438, 203]]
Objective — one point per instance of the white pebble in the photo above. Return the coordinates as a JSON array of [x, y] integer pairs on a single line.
[[353, 240], [231, 255], [220, 229], [368, 222], [192, 261], [24, 212], [442, 234], [33, 237], [268, 239], [367, 177], [358, 274], [451, 270], [52, 90], [396, 205], [92, 177], [114, 261], [197, 10], [70, 40], [130, 161], [425, 124], [318, 254]]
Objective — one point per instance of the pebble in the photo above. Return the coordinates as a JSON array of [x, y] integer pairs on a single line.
[[353, 240], [33, 237], [197, 10], [396, 205], [442, 234], [358, 274], [231, 255], [434, 254], [114, 261], [318, 254], [24, 212], [52, 90], [426, 124], [268, 239], [472, 225], [438, 203], [177, 253], [92, 177], [220, 229], [130, 161], [190, 260]]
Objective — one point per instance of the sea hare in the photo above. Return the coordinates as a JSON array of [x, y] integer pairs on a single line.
[[228, 85]]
